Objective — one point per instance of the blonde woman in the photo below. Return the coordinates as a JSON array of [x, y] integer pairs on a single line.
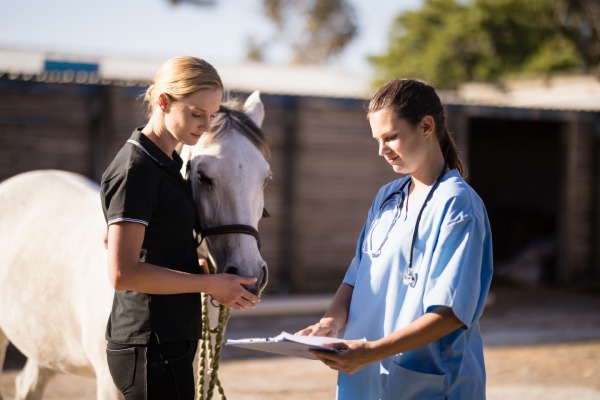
[[155, 324]]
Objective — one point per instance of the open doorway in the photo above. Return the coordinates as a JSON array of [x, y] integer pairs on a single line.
[[515, 166]]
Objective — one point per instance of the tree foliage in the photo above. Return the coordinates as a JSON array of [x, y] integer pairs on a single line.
[[584, 17], [448, 42], [315, 30]]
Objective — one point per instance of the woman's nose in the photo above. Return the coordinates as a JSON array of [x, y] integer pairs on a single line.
[[382, 149], [205, 124]]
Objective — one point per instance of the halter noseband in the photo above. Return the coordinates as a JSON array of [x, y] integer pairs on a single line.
[[225, 229]]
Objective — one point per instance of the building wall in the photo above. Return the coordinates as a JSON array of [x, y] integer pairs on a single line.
[[77, 128], [577, 230], [326, 170], [325, 165], [43, 126], [538, 172], [337, 173]]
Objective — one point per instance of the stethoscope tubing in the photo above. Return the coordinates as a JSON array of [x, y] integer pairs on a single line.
[[409, 277]]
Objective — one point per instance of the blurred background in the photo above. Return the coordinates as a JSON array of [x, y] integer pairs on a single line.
[[523, 102], [519, 78]]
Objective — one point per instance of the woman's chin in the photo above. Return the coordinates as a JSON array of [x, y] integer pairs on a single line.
[[399, 169], [192, 140]]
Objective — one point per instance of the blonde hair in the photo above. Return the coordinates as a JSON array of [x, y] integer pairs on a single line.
[[181, 76]]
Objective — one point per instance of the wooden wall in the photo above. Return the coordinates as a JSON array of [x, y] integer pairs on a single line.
[[334, 173], [325, 165], [77, 128], [326, 170], [577, 230]]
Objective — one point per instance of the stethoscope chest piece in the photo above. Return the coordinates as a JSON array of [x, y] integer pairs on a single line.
[[410, 279]]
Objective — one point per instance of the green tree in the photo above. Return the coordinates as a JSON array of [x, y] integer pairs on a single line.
[[314, 30], [583, 17], [448, 42]]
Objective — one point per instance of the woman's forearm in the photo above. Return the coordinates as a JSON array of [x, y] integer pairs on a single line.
[[338, 309], [430, 327]]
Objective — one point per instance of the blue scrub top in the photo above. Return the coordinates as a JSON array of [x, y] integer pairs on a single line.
[[452, 259]]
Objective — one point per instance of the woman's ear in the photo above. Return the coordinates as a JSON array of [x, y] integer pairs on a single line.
[[427, 126], [163, 102]]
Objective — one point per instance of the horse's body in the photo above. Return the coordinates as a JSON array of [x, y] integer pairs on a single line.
[[55, 297], [54, 290]]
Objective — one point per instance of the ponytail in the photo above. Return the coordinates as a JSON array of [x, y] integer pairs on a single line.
[[450, 152]]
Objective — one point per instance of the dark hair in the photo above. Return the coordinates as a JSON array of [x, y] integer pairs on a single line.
[[412, 100]]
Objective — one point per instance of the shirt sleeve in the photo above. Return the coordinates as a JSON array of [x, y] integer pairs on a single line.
[[129, 197], [352, 272], [461, 267]]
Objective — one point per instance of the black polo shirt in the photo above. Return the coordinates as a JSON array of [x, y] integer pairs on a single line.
[[143, 185]]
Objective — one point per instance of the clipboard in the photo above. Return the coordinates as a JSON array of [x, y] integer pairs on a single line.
[[287, 344]]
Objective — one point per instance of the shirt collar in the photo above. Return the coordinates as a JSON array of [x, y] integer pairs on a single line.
[[153, 151]]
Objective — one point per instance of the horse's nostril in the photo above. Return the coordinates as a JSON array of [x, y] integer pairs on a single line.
[[231, 269], [265, 278]]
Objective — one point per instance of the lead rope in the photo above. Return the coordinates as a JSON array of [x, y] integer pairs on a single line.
[[208, 357]]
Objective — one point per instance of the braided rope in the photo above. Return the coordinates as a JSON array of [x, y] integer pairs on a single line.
[[220, 331], [208, 357], [202, 359]]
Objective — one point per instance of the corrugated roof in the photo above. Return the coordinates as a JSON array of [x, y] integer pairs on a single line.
[[571, 93], [246, 77]]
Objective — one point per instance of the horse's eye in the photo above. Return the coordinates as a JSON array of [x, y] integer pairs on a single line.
[[204, 180], [267, 180]]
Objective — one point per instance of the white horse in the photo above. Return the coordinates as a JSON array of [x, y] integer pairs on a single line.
[[55, 296]]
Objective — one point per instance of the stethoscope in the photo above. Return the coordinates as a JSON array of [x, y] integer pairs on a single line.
[[410, 277]]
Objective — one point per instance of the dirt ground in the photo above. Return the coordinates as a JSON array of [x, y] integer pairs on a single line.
[[540, 344]]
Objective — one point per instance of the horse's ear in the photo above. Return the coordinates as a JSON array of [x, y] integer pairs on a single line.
[[254, 108]]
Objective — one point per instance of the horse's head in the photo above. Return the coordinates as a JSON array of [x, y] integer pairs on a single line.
[[228, 171]]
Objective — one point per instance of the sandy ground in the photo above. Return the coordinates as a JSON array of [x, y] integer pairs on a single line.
[[540, 344]]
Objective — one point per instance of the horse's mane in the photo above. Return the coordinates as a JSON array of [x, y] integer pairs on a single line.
[[231, 116]]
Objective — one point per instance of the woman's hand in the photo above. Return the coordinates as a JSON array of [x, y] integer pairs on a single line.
[[353, 355], [227, 289], [335, 317], [325, 327]]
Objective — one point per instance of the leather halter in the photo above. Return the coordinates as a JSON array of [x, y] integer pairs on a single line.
[[226, 229]]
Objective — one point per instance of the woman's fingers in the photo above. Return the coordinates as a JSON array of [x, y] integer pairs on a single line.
[[306, 331]]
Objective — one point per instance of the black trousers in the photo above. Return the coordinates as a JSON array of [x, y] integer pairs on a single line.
[[158, 371]]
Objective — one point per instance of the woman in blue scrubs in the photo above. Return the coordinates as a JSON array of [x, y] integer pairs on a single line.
[[412, 297]]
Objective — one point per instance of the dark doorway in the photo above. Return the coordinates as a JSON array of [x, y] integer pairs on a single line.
[[515, 166]]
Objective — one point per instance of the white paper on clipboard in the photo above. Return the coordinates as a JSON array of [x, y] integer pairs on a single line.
[[287, 344]]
